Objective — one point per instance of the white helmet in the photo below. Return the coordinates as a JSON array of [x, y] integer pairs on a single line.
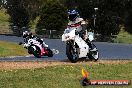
[[25, 34]]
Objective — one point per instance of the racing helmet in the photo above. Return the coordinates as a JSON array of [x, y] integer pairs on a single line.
[[30, 35], [72, 15], [25, 34]]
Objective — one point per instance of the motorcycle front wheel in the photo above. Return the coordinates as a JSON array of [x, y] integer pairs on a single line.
[[71, 54], [50, 53], [36, 52]]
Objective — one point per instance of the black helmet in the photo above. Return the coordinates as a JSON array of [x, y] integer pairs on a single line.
[[73, 14], [31, 35]]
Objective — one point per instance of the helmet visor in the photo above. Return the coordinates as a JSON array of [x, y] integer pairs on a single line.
[[72, 17]]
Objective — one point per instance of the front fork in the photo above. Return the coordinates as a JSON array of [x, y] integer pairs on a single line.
[[74, 46]]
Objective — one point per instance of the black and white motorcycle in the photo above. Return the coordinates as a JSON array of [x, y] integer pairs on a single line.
[[77, 48]]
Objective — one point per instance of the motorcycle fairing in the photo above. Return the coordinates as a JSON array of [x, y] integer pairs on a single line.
[[84, 48]]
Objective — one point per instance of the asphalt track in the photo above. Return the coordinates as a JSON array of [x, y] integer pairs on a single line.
[[107, 51]]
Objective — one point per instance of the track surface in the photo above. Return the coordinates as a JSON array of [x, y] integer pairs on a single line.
[[107, 51]]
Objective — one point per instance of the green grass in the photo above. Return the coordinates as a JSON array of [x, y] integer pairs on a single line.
[[123, 37], [65, 76], [4, 17], [4, 24], [11, 49]]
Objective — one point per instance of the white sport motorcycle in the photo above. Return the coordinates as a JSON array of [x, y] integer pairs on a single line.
[[77, 48]]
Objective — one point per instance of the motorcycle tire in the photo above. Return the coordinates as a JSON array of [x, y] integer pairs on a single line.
[[50, 53], [36, 53], [30, 50], [69, 53]]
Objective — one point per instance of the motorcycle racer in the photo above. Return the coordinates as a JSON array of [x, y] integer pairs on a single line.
[[28, 35], [80, 25]]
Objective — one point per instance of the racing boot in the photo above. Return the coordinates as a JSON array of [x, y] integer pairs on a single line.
[[91, 46]]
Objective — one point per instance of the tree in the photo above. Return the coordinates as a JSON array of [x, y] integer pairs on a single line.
[[53, 16], [109, 15], [19, 16], [128, 23], [128, 16], [0, 4], [33, 7], [22, 12], [108, 19]]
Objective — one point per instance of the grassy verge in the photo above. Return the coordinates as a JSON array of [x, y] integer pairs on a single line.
[[64, 76], [123, 37], [11, 49], [4, 24]]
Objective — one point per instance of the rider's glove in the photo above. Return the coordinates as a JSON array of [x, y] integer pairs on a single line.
[[76, 32]]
